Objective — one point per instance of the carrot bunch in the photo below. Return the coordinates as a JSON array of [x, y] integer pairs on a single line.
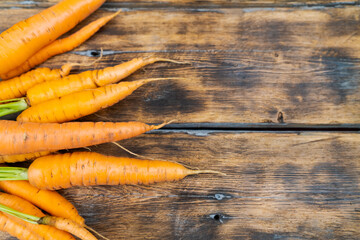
[[49, 99]]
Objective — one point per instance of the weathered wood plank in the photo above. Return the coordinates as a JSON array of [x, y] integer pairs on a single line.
[[292, 185], [187, 3], [247, 66]]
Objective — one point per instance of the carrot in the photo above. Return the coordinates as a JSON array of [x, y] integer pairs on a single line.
[[19, 138], [57, 223], [79, 104], [18, 86], [21, 205], [87, 80], [89, 168], [15, 229], [60, 46], [24, 39], [50, 201], [22, 157]]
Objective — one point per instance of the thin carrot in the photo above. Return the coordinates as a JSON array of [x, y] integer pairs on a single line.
[[18, 86], [90, 168], [79, 104], [19, 137], [50, 201], [36, 222], [24, 206], [60, 46], [24, 39], [22, 157], [87, 80], [15, 229]]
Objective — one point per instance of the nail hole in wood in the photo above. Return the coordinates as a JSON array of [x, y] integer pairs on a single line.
[[94, 53], [280, 117]]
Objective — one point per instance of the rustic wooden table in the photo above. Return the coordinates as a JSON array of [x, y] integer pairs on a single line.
[[271, 98]]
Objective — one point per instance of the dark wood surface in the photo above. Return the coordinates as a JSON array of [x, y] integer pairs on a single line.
[[270, 97]]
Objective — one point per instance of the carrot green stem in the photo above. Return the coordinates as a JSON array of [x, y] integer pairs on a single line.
[[12, 106], [22, 216], [13, 173]]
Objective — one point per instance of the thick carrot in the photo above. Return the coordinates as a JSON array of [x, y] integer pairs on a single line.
[[15, 229], [79, 104], [19, 138], [60, 46], [89, 168], [50, 201], [24, 39], [22, 157], [87, 80], [18, 86], [24, 206]]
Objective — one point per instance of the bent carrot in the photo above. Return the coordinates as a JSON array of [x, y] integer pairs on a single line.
[[60, 46], [22, 157], [15, 229], [90, 168], [24, 206], [24, 39], [87, 80], [50, 201], [19, 137], [18, 86], [79, 104]]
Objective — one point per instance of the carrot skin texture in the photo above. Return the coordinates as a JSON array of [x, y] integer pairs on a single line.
[[79, 104], [18, 86], [86, 80], [24, 39], [15, 229], [21, 205], [49, 201], [90, 168], [68, 226], [60, 46], [20, 138], [22, 157]]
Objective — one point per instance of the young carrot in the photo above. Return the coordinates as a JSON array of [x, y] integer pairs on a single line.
[[18, 86], [50, 201], [21, 205], [87, 80], [24, 39], [19, 138], [60, 46], [22, 157], [89, 168], [79, 104], [15, 229]]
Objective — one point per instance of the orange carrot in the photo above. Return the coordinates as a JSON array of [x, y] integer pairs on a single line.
[[15, 229], [68, 226], [60, 46], [50, 201], [24, 206], [19, 138], [87, 80], [89, 168], [79, 104], [18, 86], [22, 157], [24, 39]]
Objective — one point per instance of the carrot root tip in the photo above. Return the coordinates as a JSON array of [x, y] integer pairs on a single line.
[[207, 172], [97, 233]]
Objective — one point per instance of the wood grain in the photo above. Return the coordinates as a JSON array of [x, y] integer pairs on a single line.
[[292, 185], [246, 66]]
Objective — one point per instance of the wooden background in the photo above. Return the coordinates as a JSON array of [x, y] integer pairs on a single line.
[[271, 98]]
